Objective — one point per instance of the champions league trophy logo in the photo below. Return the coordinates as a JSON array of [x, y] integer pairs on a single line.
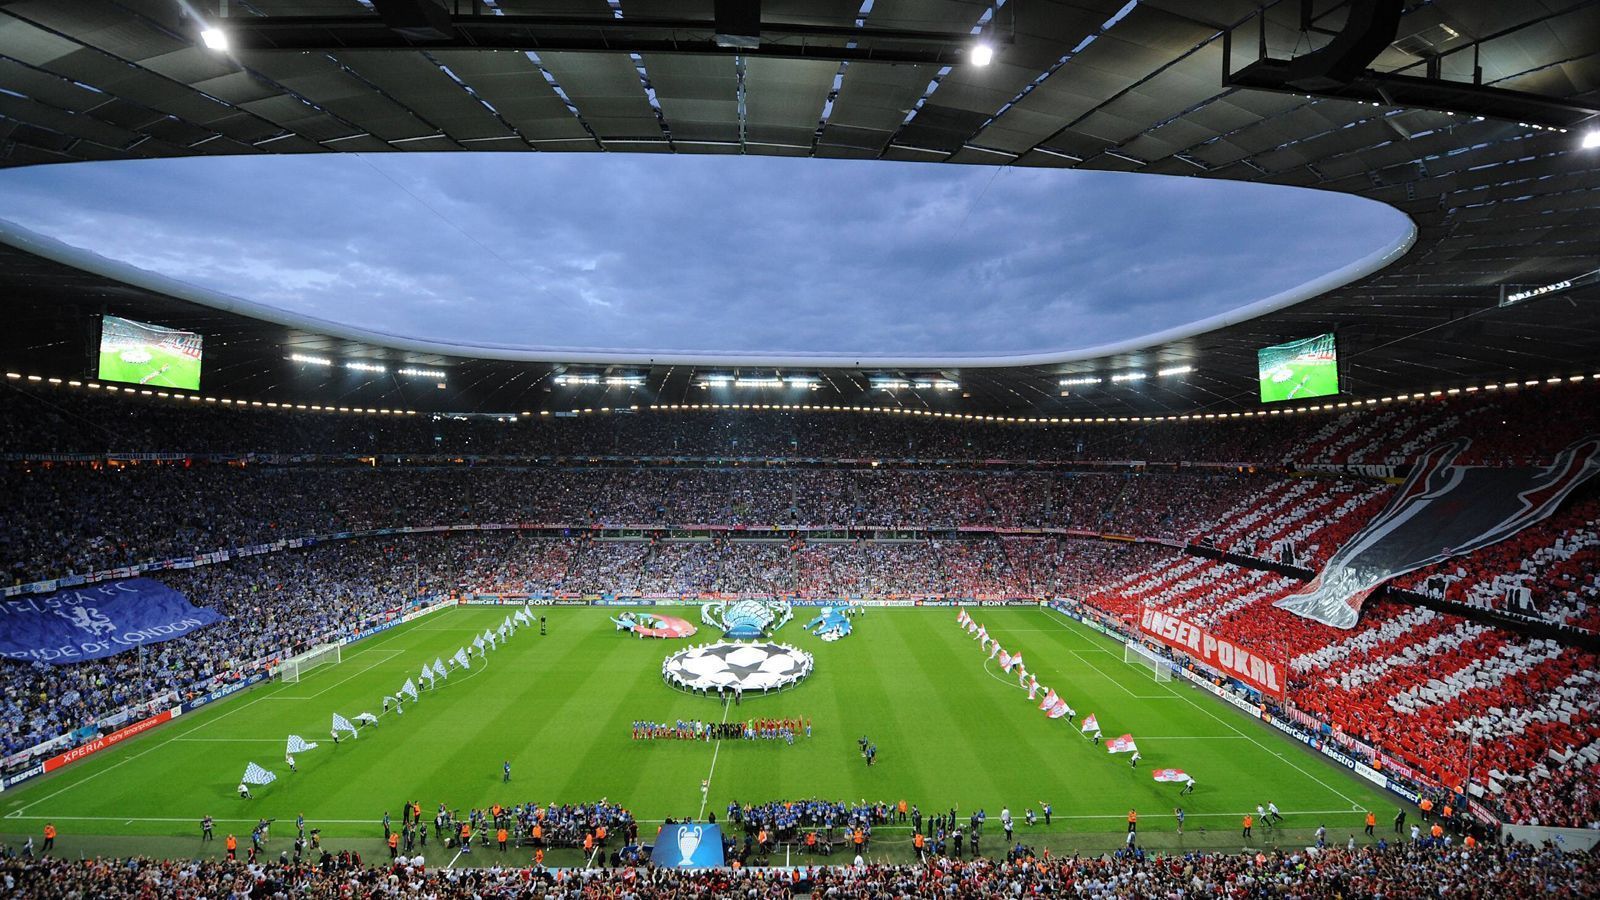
[[688, 843], [746, 618], [88, 619]]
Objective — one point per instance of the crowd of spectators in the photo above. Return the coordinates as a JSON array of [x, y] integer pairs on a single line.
[[1400, 870], [277, 605], [77, 520], [1509, 426]]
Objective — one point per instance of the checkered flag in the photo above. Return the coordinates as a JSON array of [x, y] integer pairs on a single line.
[[254, 774]]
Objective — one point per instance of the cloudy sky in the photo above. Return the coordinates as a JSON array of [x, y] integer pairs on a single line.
[[702, 253]]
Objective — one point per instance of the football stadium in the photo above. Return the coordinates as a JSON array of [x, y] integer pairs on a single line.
[[763, 448]]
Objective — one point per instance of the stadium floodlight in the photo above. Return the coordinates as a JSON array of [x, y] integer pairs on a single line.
[[1591, 139], [624, 381], [981, 54], [772, 382], [214, 39], [1175, 370], [920, 384], [803, 381], [423, 373], [707, 381], [366, 367], [1079, 380], [1128, 376], [310, 360], [576, 380]]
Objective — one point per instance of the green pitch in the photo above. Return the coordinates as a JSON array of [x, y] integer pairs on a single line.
[[951, 730], [128, 364], [1300, 379]]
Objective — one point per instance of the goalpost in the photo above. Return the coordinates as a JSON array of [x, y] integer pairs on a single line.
[[292, 668], [1135, 653]]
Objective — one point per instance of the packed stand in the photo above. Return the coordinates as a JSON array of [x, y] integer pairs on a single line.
[[1400, 870]]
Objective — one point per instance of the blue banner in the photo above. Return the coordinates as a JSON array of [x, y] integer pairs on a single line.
[[688, 847], [97, 621]]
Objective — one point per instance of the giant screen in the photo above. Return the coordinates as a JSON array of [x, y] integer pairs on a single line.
[[1299, 370], [141, 353]]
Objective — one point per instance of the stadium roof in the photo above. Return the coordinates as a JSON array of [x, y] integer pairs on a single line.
[[1493, 173]]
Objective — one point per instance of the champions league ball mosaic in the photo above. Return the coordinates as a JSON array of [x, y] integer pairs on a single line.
[[749, 667]]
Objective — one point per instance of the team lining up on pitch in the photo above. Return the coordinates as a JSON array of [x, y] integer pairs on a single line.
[[749, 730]]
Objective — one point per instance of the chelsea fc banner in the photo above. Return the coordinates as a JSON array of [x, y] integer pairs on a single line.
[[98, 620]]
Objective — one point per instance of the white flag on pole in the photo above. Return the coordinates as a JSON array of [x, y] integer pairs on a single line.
[[478, 642], [409, 689], [439, 669], [461, 659], [340, 723], [254, 774], [427, 673], [367, 718], [298, 744]]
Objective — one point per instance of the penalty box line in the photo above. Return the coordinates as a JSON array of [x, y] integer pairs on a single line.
[[17, 814], [389, 655], [1076, 627]]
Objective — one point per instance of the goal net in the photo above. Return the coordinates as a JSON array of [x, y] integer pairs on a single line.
[[295, 666], [1139, 655]]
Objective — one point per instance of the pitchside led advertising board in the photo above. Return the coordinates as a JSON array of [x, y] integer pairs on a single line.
[[1299, 370], [141, 353]]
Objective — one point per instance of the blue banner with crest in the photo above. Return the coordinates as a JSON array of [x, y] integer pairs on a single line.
[[96, 621]]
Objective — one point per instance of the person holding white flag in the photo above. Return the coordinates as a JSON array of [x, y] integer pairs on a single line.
[[409, 689], [298, 744], [254, 774], [340, 723]]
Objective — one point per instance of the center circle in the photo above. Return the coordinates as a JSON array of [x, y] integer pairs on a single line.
[[726, 665]]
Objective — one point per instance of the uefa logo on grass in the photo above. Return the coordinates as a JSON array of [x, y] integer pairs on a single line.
[[726, 666]]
